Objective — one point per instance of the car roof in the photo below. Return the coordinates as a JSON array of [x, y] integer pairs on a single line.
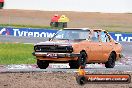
[[84, 29], [77, 28], [98, 29]]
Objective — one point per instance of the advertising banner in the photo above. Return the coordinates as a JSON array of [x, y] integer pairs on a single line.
[[29, 32], [40, 32], [124, 37]]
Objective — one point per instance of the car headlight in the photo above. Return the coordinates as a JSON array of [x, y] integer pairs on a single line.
[[37, 48]]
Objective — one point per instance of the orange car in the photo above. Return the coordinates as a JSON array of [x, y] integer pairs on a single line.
[[78, 47]]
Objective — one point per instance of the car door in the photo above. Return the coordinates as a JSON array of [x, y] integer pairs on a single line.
[[107, 46], [95, 46]]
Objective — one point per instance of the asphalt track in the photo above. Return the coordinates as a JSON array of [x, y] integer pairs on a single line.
[[124, 65], [96, 68], [14, 39]]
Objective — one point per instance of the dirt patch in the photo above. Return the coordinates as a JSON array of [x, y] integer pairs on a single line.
[[48, 80], [107, 21]]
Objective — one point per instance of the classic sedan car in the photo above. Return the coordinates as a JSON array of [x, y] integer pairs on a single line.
[[78, 47]]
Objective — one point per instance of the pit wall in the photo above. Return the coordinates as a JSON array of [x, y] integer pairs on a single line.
[[48, 33]]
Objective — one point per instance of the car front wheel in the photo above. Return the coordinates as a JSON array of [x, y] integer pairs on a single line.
[[80, 62], [73, 64], [111, 61], [42, 64]]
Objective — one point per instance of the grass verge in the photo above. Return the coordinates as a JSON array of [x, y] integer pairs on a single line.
[[109, 28], [16, 54], [28, 26], [24, 26]]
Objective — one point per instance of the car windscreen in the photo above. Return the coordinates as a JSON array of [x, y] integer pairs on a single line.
[[72, 34]]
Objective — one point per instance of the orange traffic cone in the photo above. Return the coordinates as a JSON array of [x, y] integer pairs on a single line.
[[81, 71]]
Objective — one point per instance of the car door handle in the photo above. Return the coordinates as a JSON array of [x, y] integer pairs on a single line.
[[100, 44]]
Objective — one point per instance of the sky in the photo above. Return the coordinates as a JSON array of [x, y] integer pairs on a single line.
[[112, 6]]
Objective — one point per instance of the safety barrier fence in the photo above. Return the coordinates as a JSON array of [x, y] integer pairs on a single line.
[[48, 33]]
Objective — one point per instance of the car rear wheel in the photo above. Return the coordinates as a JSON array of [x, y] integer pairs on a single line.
[[42, 64], [111, 61]]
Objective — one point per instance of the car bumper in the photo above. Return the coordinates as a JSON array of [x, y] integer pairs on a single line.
[[56, 55]]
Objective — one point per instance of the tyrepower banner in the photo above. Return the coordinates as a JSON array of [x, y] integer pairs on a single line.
[[39, 32], [124, 37], [28, 32]]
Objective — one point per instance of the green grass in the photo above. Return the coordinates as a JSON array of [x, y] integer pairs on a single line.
[[28, 26], [114, 27], [109, 28], [24, 26], [16, 54]]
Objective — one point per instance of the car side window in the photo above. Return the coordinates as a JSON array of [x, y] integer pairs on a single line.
[[107, 38], [104, 37], [95, 37]]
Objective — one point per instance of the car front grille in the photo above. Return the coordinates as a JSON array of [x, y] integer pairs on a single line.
[[53, 48]]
